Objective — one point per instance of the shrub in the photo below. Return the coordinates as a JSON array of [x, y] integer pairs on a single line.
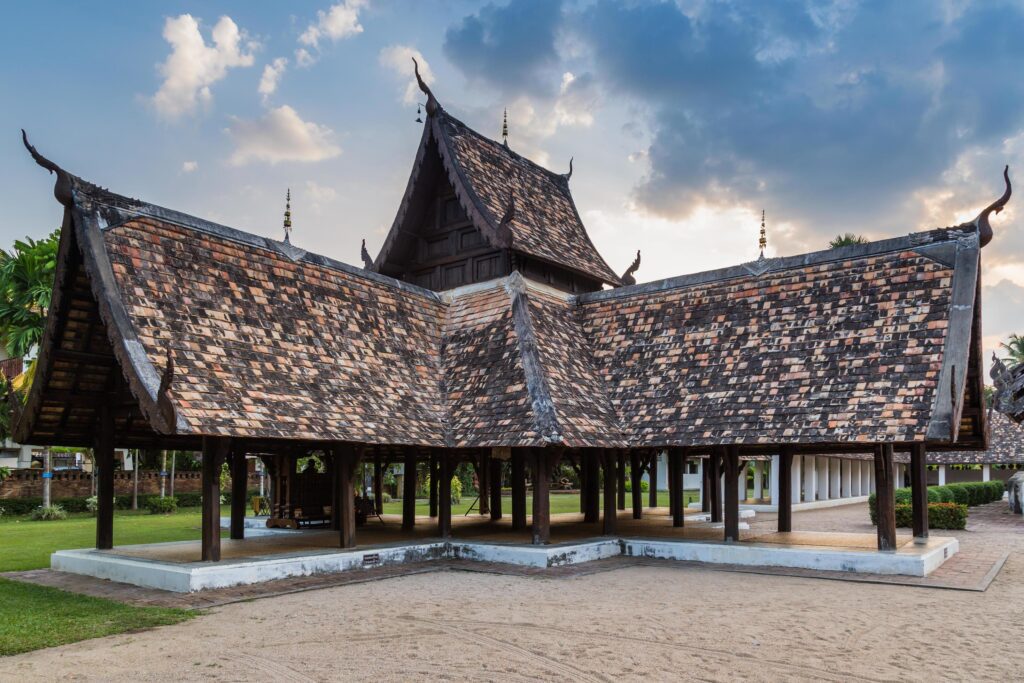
[[162, 506], [644, 486], [47, 514], [385, 496], [947, 516], [456, 490], [960, 493]]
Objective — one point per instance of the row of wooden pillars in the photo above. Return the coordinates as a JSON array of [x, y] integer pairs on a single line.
[[722, 462]]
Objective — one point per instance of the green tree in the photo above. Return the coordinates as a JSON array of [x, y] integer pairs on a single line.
[[1015, 347], [26, 285], [847, 239]]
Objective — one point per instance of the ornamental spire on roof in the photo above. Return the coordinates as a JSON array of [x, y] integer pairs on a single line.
[[504, 127], [763, 241], [288, 216]]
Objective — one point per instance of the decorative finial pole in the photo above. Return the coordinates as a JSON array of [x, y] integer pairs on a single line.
[[504, 128], [763, 242], [288, 216]]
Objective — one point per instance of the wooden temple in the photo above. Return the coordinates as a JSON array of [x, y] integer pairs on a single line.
[[488, 329]]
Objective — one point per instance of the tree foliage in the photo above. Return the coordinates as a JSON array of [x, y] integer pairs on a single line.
[[1015, 347], [26, 285], [847, 239]]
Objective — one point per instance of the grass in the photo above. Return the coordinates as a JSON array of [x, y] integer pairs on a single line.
[[34, 617], [560, 502], [28, 545]]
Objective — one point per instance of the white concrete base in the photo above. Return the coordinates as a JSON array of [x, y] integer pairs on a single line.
[[912, 560], [813, 505], [706, 516]]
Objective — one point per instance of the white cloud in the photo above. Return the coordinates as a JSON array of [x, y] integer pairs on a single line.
[[271, 77], [398, 58], [316, 196], [280, 135], [189, 166], [338, 22], [577, 99], [193, 66]]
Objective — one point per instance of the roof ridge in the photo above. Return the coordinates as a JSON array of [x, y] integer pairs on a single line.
[[543, 406]]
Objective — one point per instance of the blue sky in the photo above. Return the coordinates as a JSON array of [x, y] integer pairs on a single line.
[[685, 118]]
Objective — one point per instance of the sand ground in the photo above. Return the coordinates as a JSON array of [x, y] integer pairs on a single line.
[[661, 622]]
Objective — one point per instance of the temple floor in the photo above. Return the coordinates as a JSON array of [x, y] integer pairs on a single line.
[[565, 528]]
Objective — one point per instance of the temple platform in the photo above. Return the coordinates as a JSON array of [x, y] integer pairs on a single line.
[[266, 555]]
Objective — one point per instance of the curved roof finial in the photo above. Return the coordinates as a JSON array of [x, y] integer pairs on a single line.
[[568, 175], [627, 277], [985, 233], [365, 255], [432, 105], [62, 188]]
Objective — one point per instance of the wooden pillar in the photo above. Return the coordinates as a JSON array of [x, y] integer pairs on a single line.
[[239, 486], [671, 483], [678, 457], [444, 495], [518, 490], [636, 474], [494, 481], [716, 485], [378, 485], [583, 483], [610, 461], [345, 462], [434, 473], [409, 490], [591, 487], [919, 491], [215, 450], [652, 480], [731, 456], [620, 473], [483, 476], [785, 487], [103, 452], [885, 499], [705, 483], [543, 460]]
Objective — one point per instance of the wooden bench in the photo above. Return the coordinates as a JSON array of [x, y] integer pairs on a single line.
[[311, 517]]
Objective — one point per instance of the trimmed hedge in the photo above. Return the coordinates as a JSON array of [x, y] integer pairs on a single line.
[[940, 516], [967, 494], [25, 506]]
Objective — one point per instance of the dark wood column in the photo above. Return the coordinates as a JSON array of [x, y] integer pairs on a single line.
[[434, 473], [215, 450], [334, 470], [591, 487], [543, 461], [705, 483], [636, 474], [239, 486], [716, 485], [409, 490], [610, 461], [884, 497], [583, 483], [674, 494], [518, 489], [919, 491], [103, 452], [444, 494], [652, 479], [495, 484], [345, 462], [731, 457], [378, 485], [483, 479], [785, 488], [620, 474], [678, 456]]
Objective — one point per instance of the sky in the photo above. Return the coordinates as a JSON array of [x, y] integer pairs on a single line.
[[685, 119]]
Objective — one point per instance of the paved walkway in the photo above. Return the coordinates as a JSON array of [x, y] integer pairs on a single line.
[[992, 534]]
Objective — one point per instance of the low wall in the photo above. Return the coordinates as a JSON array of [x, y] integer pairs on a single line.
[[29, 484]]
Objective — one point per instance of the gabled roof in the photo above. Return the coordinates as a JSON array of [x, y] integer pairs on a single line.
[[1006, 446], [488, 179]]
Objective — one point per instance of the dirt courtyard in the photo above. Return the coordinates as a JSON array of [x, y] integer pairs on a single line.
[[660, 621]]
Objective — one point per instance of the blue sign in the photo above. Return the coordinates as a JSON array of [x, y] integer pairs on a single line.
[[47, 475], [163, 473]]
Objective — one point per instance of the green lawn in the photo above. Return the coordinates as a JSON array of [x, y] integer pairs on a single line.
[[33, 617], [560, 502]]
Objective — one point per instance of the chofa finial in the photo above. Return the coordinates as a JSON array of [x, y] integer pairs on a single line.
[[985, 233], [627, 277], [432, 105], [568, 175], [288, 216], [365, 255], [62, 188], [762, 242]]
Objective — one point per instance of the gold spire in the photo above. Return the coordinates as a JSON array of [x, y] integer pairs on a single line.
[[763, 242], [288, 216], [504, 127]]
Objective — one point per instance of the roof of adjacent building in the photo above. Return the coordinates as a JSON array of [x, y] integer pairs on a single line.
[[1006, 446], [515, 203]]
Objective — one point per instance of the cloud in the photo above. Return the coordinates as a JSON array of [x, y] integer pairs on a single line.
[[189, 166], [398, 58], [303, 58], [338, 22], [318, 195], [507, 47], [280, 135], [577, 99], [193, 66], [271, 77], [1003, 303]]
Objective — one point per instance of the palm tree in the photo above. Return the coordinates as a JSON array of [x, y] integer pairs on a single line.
[[847, 239], [26, 285], [1015, 346]]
